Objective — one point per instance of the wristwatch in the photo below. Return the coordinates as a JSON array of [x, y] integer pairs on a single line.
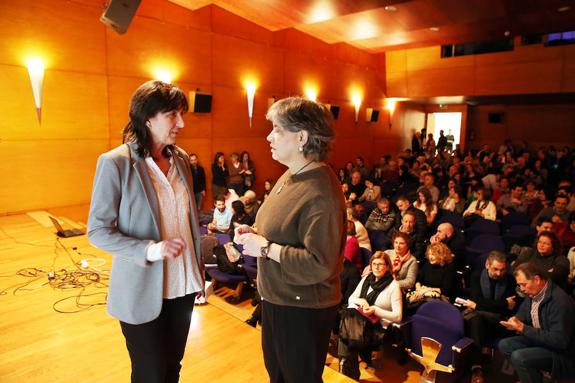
[[264, 251]]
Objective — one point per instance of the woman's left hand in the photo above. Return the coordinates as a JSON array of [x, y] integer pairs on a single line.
[[252, 244]]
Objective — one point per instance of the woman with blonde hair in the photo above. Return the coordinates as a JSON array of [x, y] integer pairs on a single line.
[[436, 277]]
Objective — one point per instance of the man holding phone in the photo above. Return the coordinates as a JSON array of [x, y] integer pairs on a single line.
[[544, 325]]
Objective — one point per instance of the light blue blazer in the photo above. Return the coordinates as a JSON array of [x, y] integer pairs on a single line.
[[124, 219]]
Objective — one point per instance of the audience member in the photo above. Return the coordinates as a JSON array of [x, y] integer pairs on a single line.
[[371, 193], [361, 233], [546, 253], [404, 264], [492, 300], [558, 212], [383, 218], [235, 179], [481, 207], [436, 277], [425, 203], [454, 239], [199, 178], [377, 295], [512, 201], [219, 175], [544, 325], [352, 252], [356, 187], [248, 171], [222, 216]]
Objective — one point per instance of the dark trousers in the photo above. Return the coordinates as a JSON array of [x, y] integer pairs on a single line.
[[527, 357], [295, 342], [483, 325], [156, 348]]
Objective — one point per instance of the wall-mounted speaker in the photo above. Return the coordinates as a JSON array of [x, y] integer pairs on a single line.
[[371, 115], [496, 117], [119, 13], [200, 102], [334, 109]]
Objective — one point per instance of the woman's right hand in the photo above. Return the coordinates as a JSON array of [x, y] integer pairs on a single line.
[[242, 229], [173, 248]]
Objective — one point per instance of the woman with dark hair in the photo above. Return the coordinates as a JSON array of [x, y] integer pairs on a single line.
[[143, 213], [219, 175], [482, 206], [248, 170], [547, 254], [268, 186], [425, 203], [299, 243], [378, 295], [235, 178], [240, 217]]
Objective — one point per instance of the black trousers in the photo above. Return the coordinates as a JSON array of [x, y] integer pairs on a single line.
[[483, 325], [295, 342], [156, 348]]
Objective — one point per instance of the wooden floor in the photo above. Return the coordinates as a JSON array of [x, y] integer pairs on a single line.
[[81, 343], [39, 344]]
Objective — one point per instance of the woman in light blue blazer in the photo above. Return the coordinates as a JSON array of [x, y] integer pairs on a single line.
[[143, 213]]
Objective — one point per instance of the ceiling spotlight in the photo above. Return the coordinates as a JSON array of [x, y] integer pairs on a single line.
[[434, 29], [563, 9], [390, 8]]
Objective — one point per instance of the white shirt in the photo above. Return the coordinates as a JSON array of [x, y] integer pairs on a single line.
[[181, 274]]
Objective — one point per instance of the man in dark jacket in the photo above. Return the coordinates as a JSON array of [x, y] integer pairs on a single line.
[[492, 300], [544, 324], [199, 178]]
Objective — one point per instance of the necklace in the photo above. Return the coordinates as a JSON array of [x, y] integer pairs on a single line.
[[288, 178]]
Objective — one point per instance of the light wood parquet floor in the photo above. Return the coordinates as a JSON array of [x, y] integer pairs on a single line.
[[39, 344]]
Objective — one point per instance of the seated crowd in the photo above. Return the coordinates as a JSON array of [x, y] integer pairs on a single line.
[[495, 227]]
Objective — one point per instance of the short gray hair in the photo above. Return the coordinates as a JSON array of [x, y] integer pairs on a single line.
[[295, 114]]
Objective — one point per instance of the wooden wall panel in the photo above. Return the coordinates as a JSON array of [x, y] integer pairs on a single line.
[[430, 58], [92, 73], [152, 43], [16, 103], [68, 37], [421, 72], [539, 124], [445, 82], [517, 78], [234, 60], [397, 84], [43, 174]]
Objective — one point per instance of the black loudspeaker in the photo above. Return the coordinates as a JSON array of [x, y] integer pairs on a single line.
[[371, 115], [496, 117], [119, 13], [200, 102], [334, 111]]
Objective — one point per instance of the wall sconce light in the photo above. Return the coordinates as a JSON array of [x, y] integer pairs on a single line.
[[390, 106], [250, 92], [356, 100], [36, 72], [310, 92], [164, 75]]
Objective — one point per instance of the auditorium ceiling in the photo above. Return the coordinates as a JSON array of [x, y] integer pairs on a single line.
[[382, 25]]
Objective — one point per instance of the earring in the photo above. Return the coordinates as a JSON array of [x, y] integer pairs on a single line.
[[300, 149]]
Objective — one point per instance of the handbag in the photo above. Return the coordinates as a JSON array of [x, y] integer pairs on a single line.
[[357, 331]]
